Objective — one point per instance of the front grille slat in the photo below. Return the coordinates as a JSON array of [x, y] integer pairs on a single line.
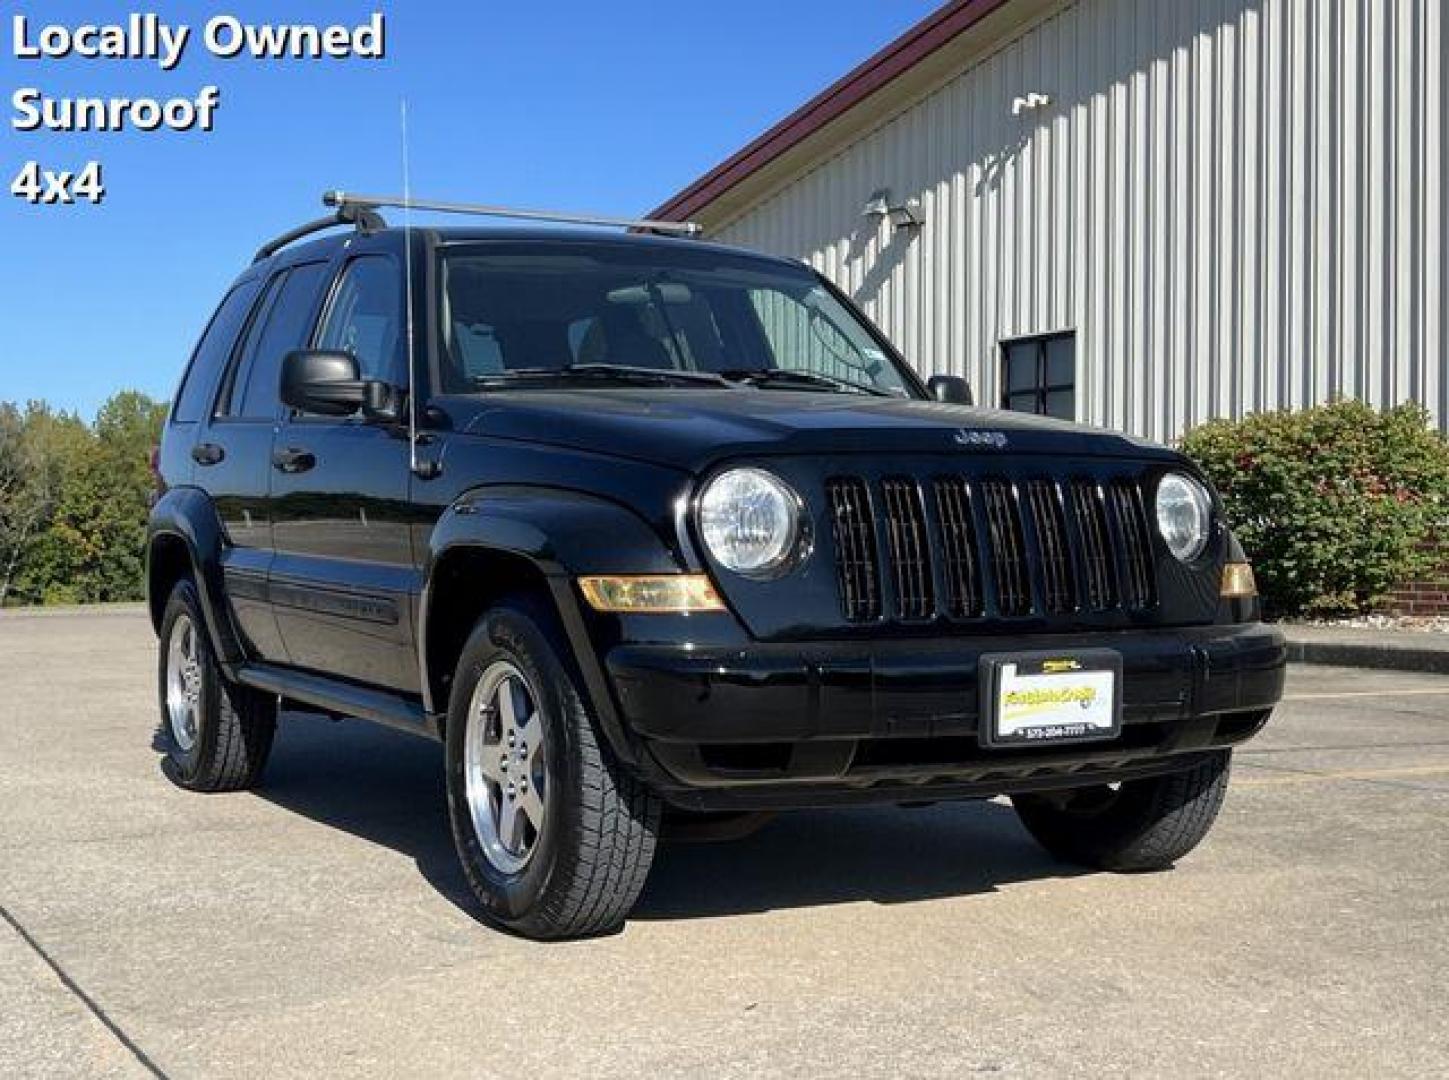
[[1058, 586], [909, 556], [1091, 518], [1139, 587], [958, 544], [855, 548], [1008, 548]]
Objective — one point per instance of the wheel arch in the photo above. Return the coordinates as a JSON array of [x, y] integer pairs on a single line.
[[168, 561], [464, 582], [494, 542], [183, 540]]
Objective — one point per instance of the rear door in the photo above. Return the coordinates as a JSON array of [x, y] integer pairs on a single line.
[[234, 453], [344, 573], [184, 443]]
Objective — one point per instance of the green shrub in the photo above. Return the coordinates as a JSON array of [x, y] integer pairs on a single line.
[[1333, 503]]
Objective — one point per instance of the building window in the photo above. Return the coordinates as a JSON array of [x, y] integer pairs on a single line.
[[1039, 375]]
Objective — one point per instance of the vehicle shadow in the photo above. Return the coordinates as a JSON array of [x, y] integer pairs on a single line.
[[387, 787], [879, 854], [379, 785]]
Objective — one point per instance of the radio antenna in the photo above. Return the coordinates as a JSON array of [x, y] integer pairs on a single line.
[[413, 462]]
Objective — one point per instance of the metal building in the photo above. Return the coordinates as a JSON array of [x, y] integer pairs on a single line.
[[1138, 213]]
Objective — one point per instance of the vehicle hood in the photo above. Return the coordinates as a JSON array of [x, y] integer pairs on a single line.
[[692, 429]]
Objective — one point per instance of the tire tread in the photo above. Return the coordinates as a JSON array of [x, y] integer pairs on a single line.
[[618, 824]]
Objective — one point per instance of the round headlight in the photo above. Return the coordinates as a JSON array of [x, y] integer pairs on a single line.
[[750, 521], [1184, 515]]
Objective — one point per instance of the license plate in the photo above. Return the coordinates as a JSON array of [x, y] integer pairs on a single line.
[[1030, 699]]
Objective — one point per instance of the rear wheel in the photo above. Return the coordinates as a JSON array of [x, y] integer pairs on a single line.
[[216, 734], [555, 837], [1137, 825]]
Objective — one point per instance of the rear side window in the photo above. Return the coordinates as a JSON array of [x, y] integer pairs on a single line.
[[282, 327], [211, 353], [228, 402]]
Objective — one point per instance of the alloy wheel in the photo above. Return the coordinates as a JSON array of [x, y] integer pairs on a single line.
[[505, 767], [183, 682]]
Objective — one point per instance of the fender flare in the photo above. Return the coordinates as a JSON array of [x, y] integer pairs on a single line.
[[188, 514], [563, 533]]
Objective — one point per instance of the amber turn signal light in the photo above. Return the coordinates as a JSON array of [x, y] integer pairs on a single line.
[[1238, 581], [651, 594]]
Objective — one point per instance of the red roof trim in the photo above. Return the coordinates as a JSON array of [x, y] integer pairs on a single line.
[[928, 35]]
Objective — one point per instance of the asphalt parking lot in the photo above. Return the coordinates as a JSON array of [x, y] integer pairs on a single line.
[[319, 926]]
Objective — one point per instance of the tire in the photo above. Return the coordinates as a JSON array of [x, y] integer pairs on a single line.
[[1141, 825], [215, 733], [579, 871]]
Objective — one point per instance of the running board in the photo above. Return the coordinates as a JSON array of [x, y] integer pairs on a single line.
[[379, 706]]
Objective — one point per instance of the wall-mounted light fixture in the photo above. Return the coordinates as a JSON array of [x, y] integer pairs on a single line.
[[905, 215], [1029, 102]]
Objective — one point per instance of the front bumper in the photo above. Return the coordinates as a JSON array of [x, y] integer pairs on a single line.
[[804, 724]]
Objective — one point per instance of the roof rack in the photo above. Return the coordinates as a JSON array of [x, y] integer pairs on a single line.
[[365, 218], [365, 204]]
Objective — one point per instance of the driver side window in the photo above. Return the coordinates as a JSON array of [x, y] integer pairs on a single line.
[[365, 318]]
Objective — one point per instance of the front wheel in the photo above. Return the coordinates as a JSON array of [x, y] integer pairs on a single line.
[[555, 837], [1137, 825]]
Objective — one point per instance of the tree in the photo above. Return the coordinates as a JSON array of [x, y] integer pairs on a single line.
[[18, 513], [73, 500], [39, 448]]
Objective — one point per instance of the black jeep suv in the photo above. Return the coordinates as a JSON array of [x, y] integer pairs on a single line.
[[647, 529]]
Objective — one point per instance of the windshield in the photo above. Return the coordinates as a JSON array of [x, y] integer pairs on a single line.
[[593, 314]]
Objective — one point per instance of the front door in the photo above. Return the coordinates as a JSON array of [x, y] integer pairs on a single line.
[[344, 576]]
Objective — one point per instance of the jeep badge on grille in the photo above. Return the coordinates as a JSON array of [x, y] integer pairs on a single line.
[[994, 439]]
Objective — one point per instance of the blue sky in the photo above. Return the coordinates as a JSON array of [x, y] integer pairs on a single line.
[[562, 104]]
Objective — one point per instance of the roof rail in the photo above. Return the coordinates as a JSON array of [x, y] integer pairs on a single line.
[[344, 201], [366, 218]]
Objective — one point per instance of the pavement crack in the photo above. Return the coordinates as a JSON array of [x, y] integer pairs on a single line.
[[85, 999]]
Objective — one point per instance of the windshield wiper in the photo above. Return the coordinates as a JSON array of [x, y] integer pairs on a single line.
[[612, 371], [789, 377]]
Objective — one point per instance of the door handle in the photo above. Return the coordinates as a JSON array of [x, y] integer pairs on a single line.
[[207, 453], [293, 460]]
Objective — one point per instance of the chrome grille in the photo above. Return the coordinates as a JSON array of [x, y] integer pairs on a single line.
[[855, 549], [958, 548], [909, 552], [962, 547], [1009, 568], [1138, 585], [1057, 579], [1091, 517]]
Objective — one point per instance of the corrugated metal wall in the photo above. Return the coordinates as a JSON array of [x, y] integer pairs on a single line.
[[1237, 204]]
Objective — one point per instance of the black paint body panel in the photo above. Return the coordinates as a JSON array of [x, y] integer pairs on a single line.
[[1177, 687], [318, 581]]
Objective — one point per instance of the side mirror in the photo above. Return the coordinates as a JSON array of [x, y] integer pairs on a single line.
[[951, 388], [328, 383]]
